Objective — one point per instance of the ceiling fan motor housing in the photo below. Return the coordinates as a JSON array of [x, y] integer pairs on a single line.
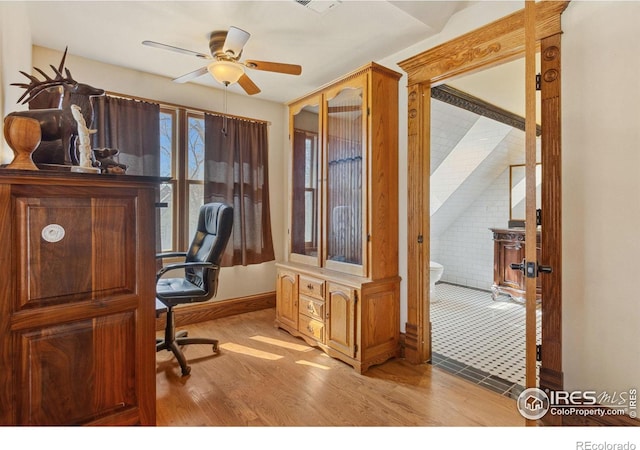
[[216, 44]]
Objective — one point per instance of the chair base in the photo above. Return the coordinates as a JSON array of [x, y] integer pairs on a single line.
[[173, 341]]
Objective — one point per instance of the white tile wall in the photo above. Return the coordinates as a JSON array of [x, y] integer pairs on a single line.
[[460, 237], [449, 124], [465, 248]]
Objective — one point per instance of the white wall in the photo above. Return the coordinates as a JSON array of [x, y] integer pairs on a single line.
[[15, 54], [234, 281], [601, 195]]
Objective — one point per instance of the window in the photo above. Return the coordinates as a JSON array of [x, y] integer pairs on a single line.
[[185, 157], [182, 159], [168, 189], [195, 170]]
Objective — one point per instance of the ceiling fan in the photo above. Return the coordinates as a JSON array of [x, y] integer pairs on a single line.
[[226, 67]]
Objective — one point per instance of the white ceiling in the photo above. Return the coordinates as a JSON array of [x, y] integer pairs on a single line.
[[327, 45]]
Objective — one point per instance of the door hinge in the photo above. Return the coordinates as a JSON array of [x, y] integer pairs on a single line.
[[538, 82], [355, 349], [539, 352]]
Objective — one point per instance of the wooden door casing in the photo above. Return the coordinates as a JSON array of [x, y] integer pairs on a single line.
[[500, 41]]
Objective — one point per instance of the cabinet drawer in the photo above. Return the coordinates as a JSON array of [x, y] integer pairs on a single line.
[[312, 287], [312, 308], [311, 327]]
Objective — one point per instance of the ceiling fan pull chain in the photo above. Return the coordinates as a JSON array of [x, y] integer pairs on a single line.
[[224, 114]]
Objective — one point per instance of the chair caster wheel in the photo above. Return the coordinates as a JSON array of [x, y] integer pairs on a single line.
[[186, 371], [215, 348]]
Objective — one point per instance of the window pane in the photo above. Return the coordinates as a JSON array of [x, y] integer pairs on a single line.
[[344, 176], [304, 236], [166, 144], [309, 211], [195, 149], [166, 217], [196, 200]]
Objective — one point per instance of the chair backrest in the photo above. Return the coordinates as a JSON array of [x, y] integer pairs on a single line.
[[215, 222]]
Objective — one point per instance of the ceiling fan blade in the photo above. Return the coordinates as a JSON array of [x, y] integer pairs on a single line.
[[248, 85], [234, 42], [289, 69], [176, 49], [191, 75]]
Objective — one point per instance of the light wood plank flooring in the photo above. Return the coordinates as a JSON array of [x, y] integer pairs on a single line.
[[265, 377]]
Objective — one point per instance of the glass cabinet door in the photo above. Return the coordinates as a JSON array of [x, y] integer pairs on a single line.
[[305, 197], [345, 175]]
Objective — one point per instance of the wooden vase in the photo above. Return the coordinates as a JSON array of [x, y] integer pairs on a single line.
[[23, 136]]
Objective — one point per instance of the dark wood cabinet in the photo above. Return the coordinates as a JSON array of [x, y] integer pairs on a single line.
[[508, 248], [77, 317]]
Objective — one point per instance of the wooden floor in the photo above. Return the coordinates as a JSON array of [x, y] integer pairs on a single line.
[[265, 377]]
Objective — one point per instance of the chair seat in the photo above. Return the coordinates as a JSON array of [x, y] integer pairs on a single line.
[[173, 291]]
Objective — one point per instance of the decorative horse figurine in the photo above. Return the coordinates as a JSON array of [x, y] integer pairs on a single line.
[[57, 123]]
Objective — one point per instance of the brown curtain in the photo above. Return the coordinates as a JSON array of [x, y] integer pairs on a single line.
[[236, 172], [132, 127]]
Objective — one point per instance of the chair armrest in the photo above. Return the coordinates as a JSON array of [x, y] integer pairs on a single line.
[[185, 265], [170, 255]]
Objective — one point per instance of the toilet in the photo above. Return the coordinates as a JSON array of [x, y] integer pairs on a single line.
[[436, 271]]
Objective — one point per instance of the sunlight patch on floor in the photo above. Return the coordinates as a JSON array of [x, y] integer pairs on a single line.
[[237, 348], [503, 305], [283, 344], [309, 363]]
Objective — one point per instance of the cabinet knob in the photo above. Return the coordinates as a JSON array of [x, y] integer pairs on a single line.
[[309, 328], [310, 286]]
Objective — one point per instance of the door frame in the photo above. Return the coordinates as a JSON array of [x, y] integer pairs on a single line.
[[495, 43]]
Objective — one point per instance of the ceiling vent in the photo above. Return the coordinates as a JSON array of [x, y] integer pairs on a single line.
[[319, 6]]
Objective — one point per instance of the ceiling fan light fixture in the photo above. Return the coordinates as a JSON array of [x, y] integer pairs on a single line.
[[225, 72]]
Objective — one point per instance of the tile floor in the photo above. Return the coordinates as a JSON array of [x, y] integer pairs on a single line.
[[478, 338]]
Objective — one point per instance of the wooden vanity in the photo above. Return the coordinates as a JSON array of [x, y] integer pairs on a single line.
[[508, 248]]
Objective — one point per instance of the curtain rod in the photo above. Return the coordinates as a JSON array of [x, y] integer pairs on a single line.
[[189, 108]]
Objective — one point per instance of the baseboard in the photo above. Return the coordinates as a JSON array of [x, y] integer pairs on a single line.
[[202, 312]]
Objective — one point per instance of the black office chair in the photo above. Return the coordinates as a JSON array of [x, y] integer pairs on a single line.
[[200, 281]]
